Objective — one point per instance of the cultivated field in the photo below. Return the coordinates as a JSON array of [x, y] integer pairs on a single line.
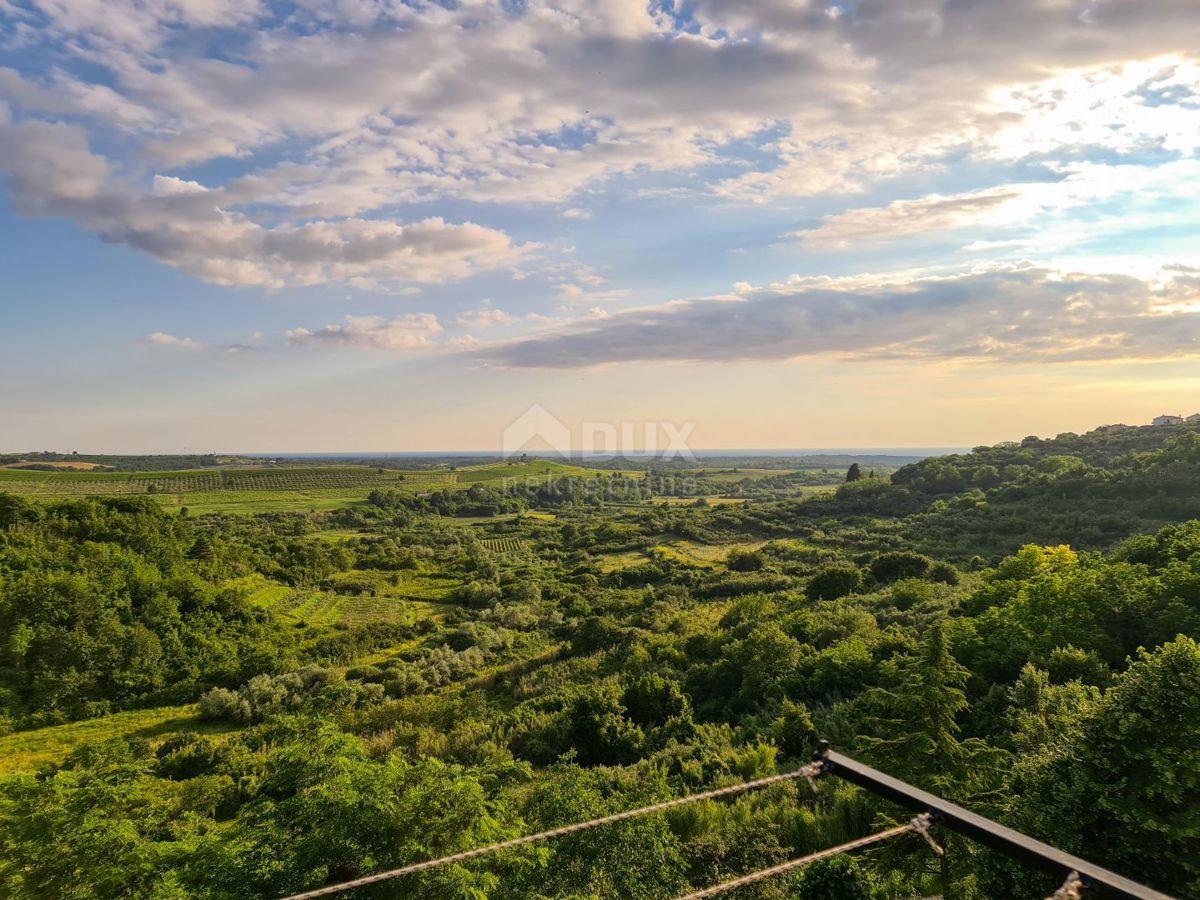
[[272, 489], [503, 544]]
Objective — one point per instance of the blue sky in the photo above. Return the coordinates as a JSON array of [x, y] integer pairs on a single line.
[[379, 225]]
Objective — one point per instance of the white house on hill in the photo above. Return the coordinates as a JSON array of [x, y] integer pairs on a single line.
[[1168, 420], [1193, 419]]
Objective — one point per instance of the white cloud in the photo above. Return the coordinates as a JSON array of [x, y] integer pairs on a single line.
[[1041, 205], [485, 317], [339, 112], [1004, 315], [408, 332], [162, 339], [464, 342], [387, 100], [904, 218], [573, 293], [52, 171], [169, 185], [1131, 106]]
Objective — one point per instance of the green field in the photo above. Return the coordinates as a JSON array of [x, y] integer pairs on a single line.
[[226, 480], [26, 751], [731, 476], [270, 488], [249, 502]]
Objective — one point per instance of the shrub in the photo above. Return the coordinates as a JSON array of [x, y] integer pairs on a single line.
[[224, 705], [655, 700], [267, 695], [740, 560], [889, 567], [832, 582], [909, 592], [944, 573], [836, 878]]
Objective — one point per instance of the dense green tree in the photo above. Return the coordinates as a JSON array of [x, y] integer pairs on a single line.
[[600, 731], [106, 830], [919, 742], [794, 730], [1118, 779], [832, 582], [639, 858], [837, 878], [888, 567], [325, 813], [653, 700], [768, 659]]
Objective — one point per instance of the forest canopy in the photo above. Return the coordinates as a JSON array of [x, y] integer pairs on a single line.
[[321, 695]]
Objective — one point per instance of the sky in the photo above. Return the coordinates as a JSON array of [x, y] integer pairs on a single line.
[[376, 225]]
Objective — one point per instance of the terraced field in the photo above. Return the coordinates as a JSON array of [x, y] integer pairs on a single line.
[[325, 608], [503, 544], [352, 598]]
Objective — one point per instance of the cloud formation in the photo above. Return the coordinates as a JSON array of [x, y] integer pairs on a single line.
[[52, 172], [409, 332], [319, 120], [485, 317], [1038, 205], [162, 339], [1006, 316]]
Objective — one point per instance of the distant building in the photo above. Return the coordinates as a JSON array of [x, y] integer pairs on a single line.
[[1168, 420], [1193, 419]]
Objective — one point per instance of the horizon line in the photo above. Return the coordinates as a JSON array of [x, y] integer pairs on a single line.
[[636, 454]]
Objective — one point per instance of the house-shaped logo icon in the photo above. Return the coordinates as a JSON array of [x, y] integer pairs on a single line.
[[537, 429]]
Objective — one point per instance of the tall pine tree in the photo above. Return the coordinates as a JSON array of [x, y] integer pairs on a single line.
[[919, 742]]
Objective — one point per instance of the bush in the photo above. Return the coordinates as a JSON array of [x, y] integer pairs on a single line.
[[836, 878], [267, 695], [944, 573], [889, 567], [654, 700], [224, 705], [909, 592], [832, 582], [600, 733], [478, 594], [740, 560], [794, 730]]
